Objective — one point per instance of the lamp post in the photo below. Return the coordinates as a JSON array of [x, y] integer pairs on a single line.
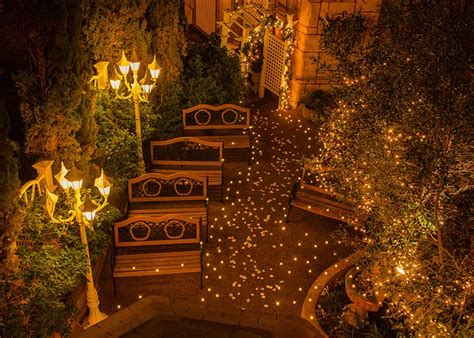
[[83, 212], [137, 91]]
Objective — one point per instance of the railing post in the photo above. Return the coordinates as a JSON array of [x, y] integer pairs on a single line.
[[44, 168]]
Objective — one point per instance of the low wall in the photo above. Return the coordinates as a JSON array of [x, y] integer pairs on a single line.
[[333, 272]]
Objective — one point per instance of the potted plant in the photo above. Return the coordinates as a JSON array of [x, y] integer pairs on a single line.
[[255, 70], [254, 53], [315, 105]]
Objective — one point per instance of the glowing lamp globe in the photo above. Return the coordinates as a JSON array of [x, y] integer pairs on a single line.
[[134, 62], [103, 184], [115, 80], [74, 177], [124, 64], [147, 84], [154, 69], [61, 177], [88, 209]]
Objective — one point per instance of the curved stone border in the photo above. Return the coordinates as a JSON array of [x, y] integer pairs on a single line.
[[312, 297], [216, 319]]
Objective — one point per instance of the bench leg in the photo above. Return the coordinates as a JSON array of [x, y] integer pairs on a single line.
[[201, 256], [222, 192], [250, 156], [201, 280], [115, 287], [288, 214]]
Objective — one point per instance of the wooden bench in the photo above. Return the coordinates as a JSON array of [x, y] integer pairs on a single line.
[[192, 155], [157, 245], [156, 194], [226, 123], [307, 195]]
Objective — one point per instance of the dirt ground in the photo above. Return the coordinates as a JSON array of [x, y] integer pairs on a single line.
[[253, 259]]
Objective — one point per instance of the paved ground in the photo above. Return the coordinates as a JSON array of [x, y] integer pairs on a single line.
[[253, 260]]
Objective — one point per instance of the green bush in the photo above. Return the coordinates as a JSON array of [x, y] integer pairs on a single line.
[[319, 101], [50, 270], [116, 139], [212, 76]]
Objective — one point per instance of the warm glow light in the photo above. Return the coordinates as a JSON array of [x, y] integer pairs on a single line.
[[115, 80], [154, 69], [88, 209], [74, 177], [60, 177], [134, 62], [147, 84], [401, 270], [124, 64], [103, 184]]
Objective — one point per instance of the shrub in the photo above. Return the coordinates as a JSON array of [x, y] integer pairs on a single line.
[[319, 101], [50, 270], [212, 76]]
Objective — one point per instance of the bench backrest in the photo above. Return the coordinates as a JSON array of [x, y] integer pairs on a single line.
[[226, 116], [152, 230], [310, 180], [155, 187], [186, 151]]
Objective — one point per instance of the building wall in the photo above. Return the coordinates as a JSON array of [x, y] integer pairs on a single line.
[[305, 76], [308, 13]]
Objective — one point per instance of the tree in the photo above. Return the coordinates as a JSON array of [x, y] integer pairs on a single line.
[[151, 28], [53, 85], [400, 140], [11, 215]]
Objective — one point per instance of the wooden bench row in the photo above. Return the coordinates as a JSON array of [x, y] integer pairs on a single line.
[[307, 195], [168, 206], [228, 123], [190, 155], [157, 245]]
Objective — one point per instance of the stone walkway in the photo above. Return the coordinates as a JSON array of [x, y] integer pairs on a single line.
[[254, 260]]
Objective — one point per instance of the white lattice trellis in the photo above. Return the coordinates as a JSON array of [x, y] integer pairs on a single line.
[[274, 56], [262, 3], [206, 15]]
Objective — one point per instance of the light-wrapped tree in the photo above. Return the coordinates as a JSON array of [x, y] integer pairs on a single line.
[[400, 140]]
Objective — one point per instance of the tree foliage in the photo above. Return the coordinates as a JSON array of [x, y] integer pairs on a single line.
[[400, 139], [150, 28], [53, 89], [11, 216], [52, 266], [212, 76]]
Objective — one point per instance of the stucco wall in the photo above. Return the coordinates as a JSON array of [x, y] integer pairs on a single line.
[[305, 76]]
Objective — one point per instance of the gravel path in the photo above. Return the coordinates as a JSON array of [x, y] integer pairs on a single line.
[[253, 260]]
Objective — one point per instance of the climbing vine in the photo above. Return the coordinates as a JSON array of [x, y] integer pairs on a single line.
[[252, 54]]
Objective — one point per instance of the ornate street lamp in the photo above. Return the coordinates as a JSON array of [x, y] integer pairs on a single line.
[[137, 90], [83, 212]]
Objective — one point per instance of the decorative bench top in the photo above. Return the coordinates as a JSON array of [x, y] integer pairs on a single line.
[[186, 150], [226, 116], [156, 187], [152, 230]]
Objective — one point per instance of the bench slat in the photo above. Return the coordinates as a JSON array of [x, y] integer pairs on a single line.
[[322, 209], [155, 265], [154, 273], [230, 141], [141, 261], [161, 254], [318, 199], [214, 177]]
